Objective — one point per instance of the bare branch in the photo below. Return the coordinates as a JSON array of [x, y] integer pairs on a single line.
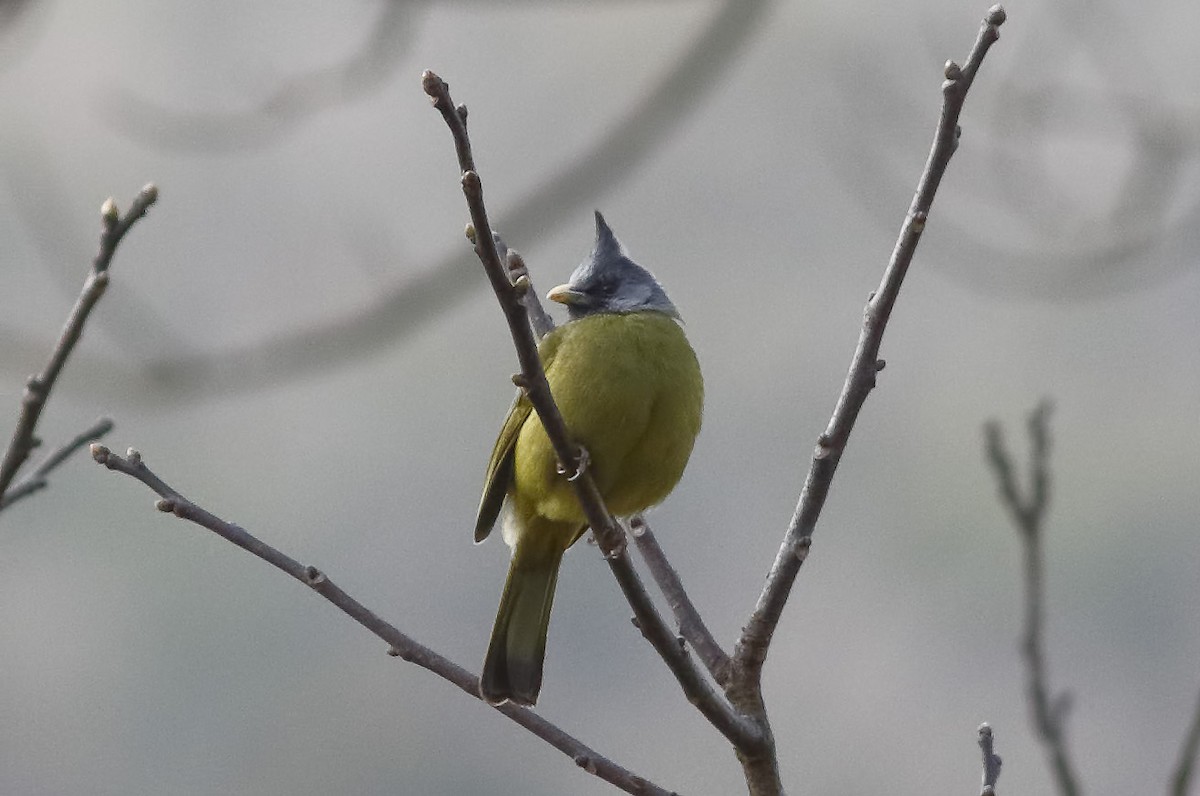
[[741, 731], [37, 388], [522, 280], [39, 478], [1182, 777], [1049, 711], [400, 645], [691, 624], [991, 760], [751, 649]]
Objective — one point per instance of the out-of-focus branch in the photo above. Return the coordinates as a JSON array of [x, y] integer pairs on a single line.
[[1182, 777], [751, 648], [400, 645], [297, 99], [691, 624], [37, 388], [617, 152], [1048, 711], [991, 760], [743, 733], [38, 479]]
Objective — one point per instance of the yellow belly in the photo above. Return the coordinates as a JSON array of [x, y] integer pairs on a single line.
[[630, 390]]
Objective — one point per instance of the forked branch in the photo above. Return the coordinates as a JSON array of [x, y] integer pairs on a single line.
[[743, 733], [38, 387], [1028, 513]]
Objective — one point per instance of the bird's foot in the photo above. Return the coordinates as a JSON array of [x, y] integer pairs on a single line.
[[581, 465]]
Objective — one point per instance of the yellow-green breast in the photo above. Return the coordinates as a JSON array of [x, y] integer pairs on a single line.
[[630, 390]]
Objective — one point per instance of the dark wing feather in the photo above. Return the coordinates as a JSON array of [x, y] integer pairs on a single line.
[[500, 468]]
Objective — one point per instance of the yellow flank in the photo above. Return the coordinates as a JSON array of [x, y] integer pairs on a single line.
[[630, 390]]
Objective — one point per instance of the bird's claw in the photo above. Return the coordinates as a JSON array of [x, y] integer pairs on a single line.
[[580, 467]]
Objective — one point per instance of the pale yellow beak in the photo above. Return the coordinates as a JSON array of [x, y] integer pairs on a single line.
[[565, 294]]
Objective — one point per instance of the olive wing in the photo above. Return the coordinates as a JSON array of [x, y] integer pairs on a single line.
[[500, 468]]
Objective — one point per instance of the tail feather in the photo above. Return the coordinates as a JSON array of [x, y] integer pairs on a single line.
[[512, 669]]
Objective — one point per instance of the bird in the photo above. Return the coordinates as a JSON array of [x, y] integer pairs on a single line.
[[629, 387]]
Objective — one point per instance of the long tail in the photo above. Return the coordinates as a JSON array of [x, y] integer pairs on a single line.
[[512, 669]]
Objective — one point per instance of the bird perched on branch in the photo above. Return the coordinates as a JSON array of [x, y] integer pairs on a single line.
[[630, 391]]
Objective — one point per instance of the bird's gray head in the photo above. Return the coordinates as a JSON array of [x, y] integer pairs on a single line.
[[608, 281]]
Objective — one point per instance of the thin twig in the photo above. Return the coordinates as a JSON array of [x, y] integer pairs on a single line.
[[991, 760], [400, 645], [539, 319], [691, 624], [744, 733], [1048, 711], [751, 649], [37, 388], [1182, 777], [38, 479]]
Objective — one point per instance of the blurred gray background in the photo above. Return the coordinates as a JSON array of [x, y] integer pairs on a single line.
[[298, 337]]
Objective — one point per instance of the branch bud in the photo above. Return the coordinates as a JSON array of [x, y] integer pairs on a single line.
[[109, 213]]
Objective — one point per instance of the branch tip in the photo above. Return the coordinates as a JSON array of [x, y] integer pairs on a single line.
[[991, 760], [952, 71], [99, 452], [165, 505], [109, 213], [433, 85], [997, 16]]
